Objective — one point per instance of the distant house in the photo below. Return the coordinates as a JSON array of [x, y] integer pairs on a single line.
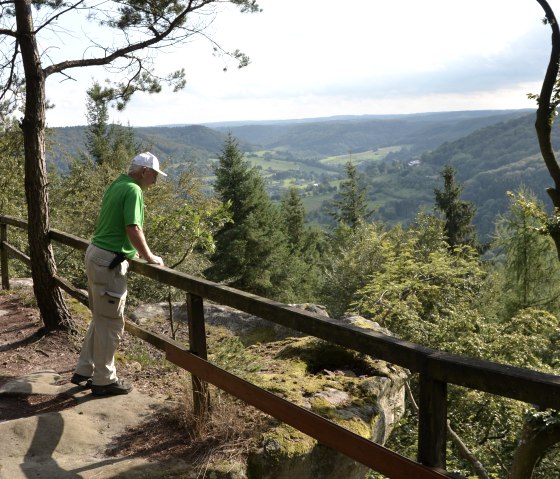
[[414, 163]]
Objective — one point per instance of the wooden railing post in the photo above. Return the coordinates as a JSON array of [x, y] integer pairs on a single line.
[[197, 345], [4, 256], [432, 426]]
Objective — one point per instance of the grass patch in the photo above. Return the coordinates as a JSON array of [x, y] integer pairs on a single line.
[[273, 165], [365, 156], [215, 444], [230, 354], [136, 351]]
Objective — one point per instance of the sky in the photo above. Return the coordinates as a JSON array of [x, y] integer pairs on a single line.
[[317, 58]]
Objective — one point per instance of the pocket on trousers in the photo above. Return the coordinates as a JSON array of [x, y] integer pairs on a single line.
[[111, 304]]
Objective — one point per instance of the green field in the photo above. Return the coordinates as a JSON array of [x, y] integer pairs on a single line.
[[357, 158], [312, 203], [271, 166]]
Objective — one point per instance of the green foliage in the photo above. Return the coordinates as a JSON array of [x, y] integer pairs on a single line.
[[12, 195], [351, 204], [531, 271], [106, 143], [492, 153], [407, 280], [294, 218], [251, 252], [425, 295], [307, 249], [529, 339], [97, 116], [189, 225], [458, 214], [355, 257]]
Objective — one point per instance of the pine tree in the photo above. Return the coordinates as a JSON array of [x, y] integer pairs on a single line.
[[251, 252], [294, 218], [531, 270], [97, 134], [351, 207], [458, 214], [112, 145], [306, 247]]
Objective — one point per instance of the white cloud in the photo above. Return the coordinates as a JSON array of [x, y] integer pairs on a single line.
[[323, 57]]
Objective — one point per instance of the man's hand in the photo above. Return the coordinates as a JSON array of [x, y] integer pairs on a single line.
[[155, 260], [136, 236]]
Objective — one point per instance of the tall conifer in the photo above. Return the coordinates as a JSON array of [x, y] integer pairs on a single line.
[[251, 251], [294, 218], [306, 247], [351, 206], [458, 214]]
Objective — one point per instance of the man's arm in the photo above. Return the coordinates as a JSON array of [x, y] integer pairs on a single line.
[[138, 240]]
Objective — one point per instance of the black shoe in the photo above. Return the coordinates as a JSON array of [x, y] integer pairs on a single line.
[[79, 380], [118, 387]]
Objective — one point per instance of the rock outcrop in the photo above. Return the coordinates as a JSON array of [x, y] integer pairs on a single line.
[[355, 391], [361, 394]]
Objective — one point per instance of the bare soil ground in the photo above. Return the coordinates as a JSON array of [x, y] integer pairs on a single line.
[[25, 348]]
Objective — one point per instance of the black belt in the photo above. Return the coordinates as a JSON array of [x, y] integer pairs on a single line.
[[118, 259]]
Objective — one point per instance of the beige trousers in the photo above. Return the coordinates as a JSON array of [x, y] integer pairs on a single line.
[[107, 297]]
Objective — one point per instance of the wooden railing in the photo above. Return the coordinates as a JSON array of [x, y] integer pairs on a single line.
[[436, 369]]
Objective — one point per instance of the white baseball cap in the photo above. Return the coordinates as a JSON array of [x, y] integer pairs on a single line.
[[149, 160]]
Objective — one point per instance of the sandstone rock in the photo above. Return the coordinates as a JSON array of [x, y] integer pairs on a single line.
[[368, 398], [250, 329], [357, 392]]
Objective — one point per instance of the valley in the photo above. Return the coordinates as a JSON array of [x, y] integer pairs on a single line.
[[399, 157]]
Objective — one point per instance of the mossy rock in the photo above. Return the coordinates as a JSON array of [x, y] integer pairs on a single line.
[[346, 387], [287, 453]]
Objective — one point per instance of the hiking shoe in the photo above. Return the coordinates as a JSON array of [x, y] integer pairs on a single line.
[[79, 380], [118, 387]]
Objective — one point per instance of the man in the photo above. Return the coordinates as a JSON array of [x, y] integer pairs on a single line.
[[118, 236]]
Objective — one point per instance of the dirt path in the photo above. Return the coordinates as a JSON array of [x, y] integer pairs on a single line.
[[53, 429]]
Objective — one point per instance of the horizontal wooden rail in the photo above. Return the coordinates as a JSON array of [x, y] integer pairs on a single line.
[[326, 432], [76, 293], [10, 220], [69, 240], [16, 253], [517, 383], [437, 369]]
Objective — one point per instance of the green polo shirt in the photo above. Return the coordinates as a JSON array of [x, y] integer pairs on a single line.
[[122, 205]]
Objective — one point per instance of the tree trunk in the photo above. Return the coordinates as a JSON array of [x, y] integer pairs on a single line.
[[54, 313], [534, 442], [545, 116]]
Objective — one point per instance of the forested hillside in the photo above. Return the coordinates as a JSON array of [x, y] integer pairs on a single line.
[[425, 279], [316, 139], [313, 139], [489, 162], [400, 157]]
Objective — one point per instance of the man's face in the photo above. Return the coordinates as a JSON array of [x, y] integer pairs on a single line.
[[149, 177]]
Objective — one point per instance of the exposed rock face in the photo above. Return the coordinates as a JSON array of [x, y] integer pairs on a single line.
[[355, 391], [250, 329]]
